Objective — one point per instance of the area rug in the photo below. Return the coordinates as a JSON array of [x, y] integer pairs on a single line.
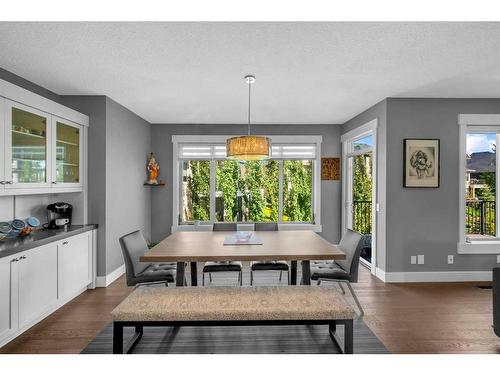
[[239, 340]]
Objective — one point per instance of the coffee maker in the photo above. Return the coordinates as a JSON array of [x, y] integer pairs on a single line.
[[59, 215]]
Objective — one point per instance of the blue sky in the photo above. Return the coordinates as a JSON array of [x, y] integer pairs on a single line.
[[480, 142], [368, 140]]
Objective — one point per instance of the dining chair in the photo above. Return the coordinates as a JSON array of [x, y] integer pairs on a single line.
[[342, 271], [223, 266], [139, 273], [268, 265]]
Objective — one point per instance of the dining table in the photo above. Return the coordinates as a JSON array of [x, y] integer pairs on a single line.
[[203, 246]]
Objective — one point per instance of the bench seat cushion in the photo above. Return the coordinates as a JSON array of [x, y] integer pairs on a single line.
[[233, 303]]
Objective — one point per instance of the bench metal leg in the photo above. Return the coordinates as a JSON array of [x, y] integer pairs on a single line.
[[349, 337], [117, 338], [118, 347], [348, 346]]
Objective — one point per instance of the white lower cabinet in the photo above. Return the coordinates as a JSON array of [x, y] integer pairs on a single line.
[[75, 264], [36, 282], [8, 297]]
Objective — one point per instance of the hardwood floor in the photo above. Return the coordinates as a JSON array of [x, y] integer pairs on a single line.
[[407, 318]]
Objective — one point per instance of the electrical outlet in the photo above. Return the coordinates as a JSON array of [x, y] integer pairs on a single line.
[[420, 259], [498, 258], [450, 259], [413, 259]]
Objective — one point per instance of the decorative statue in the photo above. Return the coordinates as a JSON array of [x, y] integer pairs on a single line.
[[153, 169]]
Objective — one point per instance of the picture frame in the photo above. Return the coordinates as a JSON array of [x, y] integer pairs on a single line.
[[421, 163], [330, 169]]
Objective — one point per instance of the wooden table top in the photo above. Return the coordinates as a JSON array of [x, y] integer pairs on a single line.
[[209, 246]]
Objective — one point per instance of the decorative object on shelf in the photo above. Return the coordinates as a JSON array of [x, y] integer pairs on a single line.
[[249, 147], [421, 163], [330, 168], [153, 171]]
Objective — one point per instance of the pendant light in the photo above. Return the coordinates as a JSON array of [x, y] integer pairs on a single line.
[[248, 147]]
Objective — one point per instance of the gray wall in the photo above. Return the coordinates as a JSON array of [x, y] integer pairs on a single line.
[[128, 202], [425, 221], [95, 108], [119, 142], [161, 142], [379, 112]]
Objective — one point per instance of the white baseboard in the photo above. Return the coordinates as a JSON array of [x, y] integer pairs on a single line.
[[433, 277], [104, 281], [380, 274]]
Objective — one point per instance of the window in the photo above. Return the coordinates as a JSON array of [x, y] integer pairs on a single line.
[[297, 190], [481, 185], [195, 190], [479, 182], [246, 192], [213, 188]]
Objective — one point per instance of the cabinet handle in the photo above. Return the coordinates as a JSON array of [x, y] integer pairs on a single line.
[[65, 242], [15, 260], [54, 182], [2, 182], [23, 257], [9, 182]]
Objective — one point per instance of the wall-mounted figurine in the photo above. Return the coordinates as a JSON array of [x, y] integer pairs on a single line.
[[153, 170]]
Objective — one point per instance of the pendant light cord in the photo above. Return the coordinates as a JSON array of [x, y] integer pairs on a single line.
[[249, 94]]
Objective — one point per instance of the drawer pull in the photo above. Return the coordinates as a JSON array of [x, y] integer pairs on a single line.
[[15, 260], [23, 257], [65, 242]]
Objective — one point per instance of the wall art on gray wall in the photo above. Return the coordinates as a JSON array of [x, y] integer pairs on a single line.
[[421, 163]]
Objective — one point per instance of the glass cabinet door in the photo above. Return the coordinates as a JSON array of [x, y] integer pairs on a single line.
[[67, 153], [27, 156]]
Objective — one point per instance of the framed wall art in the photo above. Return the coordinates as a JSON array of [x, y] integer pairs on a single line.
[[421, 163], [330, 168]]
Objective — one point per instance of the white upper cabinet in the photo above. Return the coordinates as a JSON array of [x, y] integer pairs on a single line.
[[67, 153], [27, 147], [42, 144]]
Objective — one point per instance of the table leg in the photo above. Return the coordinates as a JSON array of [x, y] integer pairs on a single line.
[[306, 272], [293, 273], [194, 274], [180, 274]]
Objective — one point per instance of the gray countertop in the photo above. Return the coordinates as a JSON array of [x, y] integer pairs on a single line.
[[12, 246]]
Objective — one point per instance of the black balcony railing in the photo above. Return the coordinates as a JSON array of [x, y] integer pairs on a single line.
[[480, 217], [362, 216]]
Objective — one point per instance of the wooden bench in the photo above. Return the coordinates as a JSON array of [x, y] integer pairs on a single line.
[[232, 306]]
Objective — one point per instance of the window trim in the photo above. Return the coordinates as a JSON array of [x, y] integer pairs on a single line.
[[468, 123], [201, 139]]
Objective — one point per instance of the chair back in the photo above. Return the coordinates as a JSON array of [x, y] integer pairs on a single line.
[[351, 244], [225, 227], [133, 247], [271, 227]]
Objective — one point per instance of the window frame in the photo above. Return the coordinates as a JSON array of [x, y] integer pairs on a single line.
[[476, 123], [211, 139]]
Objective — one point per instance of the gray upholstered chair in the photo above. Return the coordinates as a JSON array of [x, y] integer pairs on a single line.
[[268, 265], [224, 266], [342, 271], [133, 247]]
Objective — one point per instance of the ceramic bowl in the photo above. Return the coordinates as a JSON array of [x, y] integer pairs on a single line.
[[18, 224]]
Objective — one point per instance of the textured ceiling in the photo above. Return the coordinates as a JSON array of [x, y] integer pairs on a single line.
[[308, 73]]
